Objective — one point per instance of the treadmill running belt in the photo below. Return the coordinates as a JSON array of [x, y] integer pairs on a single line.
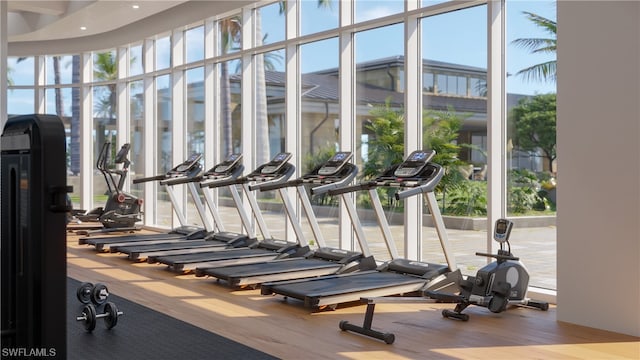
[[213, 256], [352, 282], [272, 267]]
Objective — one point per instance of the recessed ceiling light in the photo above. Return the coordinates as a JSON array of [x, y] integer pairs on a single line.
[[83, 28], [136, 6]]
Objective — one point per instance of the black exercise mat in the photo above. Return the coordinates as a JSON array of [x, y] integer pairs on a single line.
[[143, 333]]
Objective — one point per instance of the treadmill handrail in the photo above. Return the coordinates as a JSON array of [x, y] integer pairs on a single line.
[[427, 187], [220, 181], [227, 182], [351, 168], [180, 180], [276, 186], [268, 181], [352, 188]]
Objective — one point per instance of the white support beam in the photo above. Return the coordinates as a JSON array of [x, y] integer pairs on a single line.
[[150, 156], [496, 117], [123, 114], [347, 110], [211, 156], [40, 77], [178, 115], [413, 131], [86, 131], [292, 104]]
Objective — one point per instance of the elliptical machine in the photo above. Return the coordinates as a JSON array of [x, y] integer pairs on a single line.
[[496, 286], [122, 210]]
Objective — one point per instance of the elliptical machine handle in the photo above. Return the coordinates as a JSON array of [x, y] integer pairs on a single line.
[[147, 179], [501, 257]]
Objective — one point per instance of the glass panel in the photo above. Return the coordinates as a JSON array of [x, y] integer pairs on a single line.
[[73, 148], [20, 71], [20, 101], [531, 162], [375, 9], [59, 70], [316, 16], [270, 22], [230, 125], [319, 100], [58, 101], [104, 130], [270, 104], [379, 96], [230, 34], [425, 3], [230, 107], [194, 44], [164, 162], [136, 63], [453, 124], [136, 136], [105, 67], [163, 53], [195, 127]]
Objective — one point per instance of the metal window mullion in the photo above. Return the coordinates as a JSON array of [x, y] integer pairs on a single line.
[[293, 126], [123, 117], [496, 116], [150, 108], [211, 121], [40, 106], [413, 134], [86, 131], [178, 107], [347, 113]]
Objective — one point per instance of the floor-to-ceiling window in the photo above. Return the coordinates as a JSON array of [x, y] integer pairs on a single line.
[[370, 48], [379, 114], [531, 132], [454, 111]]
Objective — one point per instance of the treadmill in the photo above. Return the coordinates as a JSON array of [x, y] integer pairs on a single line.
[[275, 171], [414, 176], [325, 260], [231, 168], [188, 169]]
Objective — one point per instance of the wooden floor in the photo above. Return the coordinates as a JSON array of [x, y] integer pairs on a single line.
[[289, 331]]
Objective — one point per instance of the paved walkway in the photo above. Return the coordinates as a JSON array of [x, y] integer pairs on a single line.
[[535, 246]]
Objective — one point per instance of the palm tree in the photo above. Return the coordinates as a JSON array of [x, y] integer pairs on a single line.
[[105, 68], [545, 71], [231, 33]]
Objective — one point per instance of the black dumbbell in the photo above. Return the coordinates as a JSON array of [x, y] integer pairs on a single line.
[[97, 294], [90, 316]]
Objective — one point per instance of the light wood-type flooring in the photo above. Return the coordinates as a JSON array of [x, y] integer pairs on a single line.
[[287, 330]]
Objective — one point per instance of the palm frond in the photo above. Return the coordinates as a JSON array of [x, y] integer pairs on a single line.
[[540, 72]]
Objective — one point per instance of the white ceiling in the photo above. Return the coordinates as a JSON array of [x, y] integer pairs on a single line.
[[53, 20], [45, 27]]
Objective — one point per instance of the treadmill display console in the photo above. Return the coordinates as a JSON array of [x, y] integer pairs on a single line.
[[414, 163], [229, 163], [276, 163], [334, 164], [186, 165]]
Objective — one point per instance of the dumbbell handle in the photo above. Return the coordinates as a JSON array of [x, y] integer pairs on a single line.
[[98, 316]]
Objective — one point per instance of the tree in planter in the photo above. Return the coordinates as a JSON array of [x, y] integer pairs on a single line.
[[534, 124], [386, 147]]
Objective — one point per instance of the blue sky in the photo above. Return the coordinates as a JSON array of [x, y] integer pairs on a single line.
[[443, 39], [458, 37]]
